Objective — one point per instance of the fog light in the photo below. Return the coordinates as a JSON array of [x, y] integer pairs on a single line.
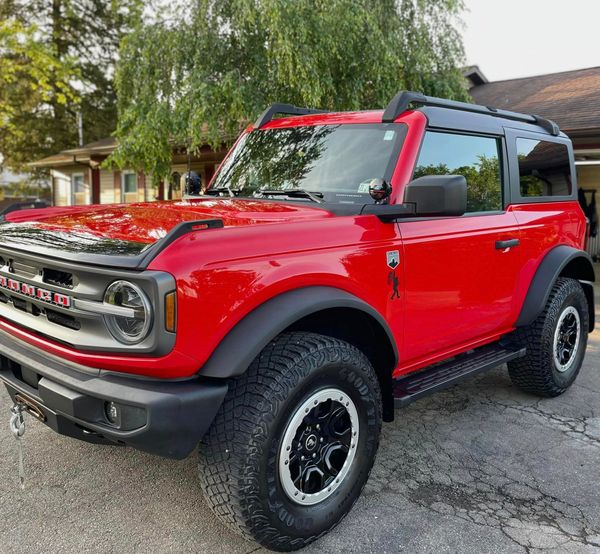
[[113, 414], [124, 417]]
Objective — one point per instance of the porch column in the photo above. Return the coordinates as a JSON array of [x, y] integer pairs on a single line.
[[117, 186], [95, 185]]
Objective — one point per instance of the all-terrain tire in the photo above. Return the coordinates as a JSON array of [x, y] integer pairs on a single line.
[[539, 371], [240, 455]]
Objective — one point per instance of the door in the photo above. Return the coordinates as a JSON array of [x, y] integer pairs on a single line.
[[460, 273]]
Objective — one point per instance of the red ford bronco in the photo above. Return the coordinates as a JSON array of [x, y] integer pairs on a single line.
[[338, 265]]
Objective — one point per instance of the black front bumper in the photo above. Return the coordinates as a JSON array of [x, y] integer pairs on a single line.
[[170, 416]]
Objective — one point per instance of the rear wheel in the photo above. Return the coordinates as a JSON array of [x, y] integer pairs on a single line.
[[294, 441], [555, 342]]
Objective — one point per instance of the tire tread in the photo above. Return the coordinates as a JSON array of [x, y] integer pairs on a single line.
[[533, 372], [229, 451]]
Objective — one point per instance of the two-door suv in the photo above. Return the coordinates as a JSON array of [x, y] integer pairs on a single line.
[[339, 264]]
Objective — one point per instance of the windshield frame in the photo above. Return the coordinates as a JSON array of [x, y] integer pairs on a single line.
[[399, 127]]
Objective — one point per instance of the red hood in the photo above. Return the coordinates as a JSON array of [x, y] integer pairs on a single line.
[[147, 222]]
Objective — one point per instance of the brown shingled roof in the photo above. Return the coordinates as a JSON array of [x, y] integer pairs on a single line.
[[571, 98]]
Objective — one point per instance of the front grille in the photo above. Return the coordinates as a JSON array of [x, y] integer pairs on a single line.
[[57, 278], [56, 299]]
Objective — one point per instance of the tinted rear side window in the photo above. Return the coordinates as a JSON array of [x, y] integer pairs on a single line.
[[476, 158], [544, 168]]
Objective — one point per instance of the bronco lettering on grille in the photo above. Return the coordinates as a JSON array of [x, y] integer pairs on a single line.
[[35, 292]]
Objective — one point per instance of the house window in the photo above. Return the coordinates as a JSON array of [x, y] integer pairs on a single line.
[[129, 186], [79, 189], [476, 158], [544, 168]]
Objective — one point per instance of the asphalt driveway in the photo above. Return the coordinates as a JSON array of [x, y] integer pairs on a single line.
[[479, 468]]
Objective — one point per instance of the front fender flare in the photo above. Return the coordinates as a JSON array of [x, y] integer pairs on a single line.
[[249, 336]]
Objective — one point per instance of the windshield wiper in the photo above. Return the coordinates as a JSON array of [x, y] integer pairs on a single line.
[[314, 196], [215, 191]]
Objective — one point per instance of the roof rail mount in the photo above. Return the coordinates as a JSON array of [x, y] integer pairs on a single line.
[[403, 99], [284, 109]]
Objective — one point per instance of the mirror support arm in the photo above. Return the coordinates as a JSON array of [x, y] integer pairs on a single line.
[[389, 212]]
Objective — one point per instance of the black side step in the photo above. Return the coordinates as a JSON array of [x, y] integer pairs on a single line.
[[432, 379]]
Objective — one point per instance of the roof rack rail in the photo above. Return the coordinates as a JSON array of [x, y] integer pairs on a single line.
[[403, 99], [286, 109]]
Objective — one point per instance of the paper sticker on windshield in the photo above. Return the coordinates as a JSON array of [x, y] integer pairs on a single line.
[[389, 135], [364, 186]]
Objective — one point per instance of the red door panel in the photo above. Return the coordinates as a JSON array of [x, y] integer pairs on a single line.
[[459, 288]]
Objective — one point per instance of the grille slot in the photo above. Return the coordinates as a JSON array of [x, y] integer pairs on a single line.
[[62, 319], [3, 298], [23, 269], [19, 304], [57, 278]]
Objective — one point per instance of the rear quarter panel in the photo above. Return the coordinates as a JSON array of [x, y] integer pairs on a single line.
[[543, 227]]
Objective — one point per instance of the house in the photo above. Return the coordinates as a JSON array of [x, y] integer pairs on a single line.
[[572, 99], [78, 178]]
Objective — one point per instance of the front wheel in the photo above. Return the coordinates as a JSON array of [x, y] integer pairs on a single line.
[[555, 342], [294, 441]]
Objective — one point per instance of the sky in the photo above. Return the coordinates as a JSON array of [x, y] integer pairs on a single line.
[[520, 38]]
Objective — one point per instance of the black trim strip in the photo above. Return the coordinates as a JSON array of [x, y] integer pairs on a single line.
[[177, 232], [284, 109]]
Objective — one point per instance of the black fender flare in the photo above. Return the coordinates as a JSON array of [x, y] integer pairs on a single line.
[[251, 334], [554, 265]]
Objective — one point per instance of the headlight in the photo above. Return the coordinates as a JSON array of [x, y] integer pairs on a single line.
[[135, 320]]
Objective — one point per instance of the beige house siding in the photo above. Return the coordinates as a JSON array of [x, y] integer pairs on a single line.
[[105, 185], [110, 187], [588, 176], [588, 179], [108, 192], [62, 186]]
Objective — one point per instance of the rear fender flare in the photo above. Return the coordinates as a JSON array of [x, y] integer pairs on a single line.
[[560, 261]]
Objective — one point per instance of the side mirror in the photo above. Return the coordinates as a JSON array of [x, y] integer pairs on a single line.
[[437, 195], [379, 190]]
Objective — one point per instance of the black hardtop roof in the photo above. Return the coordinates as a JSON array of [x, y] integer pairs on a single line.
[[404, 99], [459, 121]]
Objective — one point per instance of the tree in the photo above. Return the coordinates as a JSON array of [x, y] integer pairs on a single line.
[[484, 189], [57, 64], [200, 78]]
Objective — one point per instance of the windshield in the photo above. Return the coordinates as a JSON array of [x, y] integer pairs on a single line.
[[337, 162]]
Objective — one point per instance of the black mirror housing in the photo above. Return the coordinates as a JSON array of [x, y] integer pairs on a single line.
[[444, 195]]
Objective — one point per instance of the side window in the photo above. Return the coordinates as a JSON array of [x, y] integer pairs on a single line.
[[544, 168], [477, 158]]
